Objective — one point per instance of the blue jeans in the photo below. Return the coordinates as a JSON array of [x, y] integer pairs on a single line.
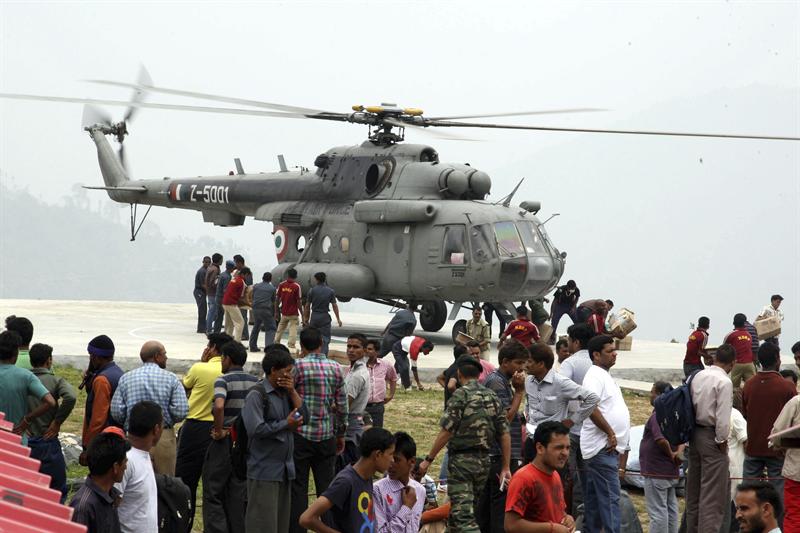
[[212, 313], [662, 504], [601, 494], [53, 464], [443, 469]]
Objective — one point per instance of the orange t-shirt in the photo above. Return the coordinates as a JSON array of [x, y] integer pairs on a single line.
[[536, 496]]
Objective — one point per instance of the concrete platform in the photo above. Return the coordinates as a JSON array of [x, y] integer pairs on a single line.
[[68, 325]]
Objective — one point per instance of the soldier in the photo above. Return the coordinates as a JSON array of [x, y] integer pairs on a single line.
[[479, 330], [473, 420]]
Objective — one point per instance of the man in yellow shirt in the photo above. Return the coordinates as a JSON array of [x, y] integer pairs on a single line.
[[195, 434]]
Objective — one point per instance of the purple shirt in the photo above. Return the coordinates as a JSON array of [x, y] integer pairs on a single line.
[[652, 459], [391, 516], [379, 375]]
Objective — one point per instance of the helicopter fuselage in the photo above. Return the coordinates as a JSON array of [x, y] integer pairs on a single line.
[[384, 222]]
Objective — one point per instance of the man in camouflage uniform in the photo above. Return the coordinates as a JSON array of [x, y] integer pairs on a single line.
[[473, 419]]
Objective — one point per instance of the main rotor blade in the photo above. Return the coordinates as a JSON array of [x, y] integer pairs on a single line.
[[214, 97], [220, 110], [434, 133], [524, 113], [447, 124]]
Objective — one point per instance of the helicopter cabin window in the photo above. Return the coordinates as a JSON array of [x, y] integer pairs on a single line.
[[534, 244], [326, 244], [344, 244], [454, 247], [483, 244], [508, 241], [300, 243]]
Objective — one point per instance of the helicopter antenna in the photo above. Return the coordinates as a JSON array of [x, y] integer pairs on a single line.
[[506, 200], [554, 215]]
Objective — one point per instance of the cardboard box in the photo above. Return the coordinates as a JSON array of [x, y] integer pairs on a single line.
[[768, 327], [623, 324], [624, 344], [463, 338]]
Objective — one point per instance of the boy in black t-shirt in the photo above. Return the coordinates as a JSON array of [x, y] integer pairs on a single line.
[[346, 505]]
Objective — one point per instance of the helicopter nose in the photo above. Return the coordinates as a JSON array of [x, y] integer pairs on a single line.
[[541, 268]]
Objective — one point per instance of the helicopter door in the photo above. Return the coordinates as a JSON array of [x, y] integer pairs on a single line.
[[448, 256]]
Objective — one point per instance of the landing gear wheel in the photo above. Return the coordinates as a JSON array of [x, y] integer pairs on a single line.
[[433, 315], [459, 327]]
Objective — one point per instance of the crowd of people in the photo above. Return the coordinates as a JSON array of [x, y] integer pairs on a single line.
[[528, 445]]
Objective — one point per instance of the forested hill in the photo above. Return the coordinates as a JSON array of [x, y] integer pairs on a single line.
[[82, 250]]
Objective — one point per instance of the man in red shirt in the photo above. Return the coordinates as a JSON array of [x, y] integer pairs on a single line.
[[742, 344], [522, 329], [696, 347], [289, 295], [597, 321], [763, 398], [535, 495], [234, 321]]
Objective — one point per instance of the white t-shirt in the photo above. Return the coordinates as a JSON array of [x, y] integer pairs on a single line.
[[138, 511], [612, 407]]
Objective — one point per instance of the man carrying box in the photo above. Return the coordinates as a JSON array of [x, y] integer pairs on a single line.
[[772, 311]]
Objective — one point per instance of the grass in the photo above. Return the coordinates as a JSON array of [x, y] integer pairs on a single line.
[[415, 412]]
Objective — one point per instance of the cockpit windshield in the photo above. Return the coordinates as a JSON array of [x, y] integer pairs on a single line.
[[508, 241], [533, 241]]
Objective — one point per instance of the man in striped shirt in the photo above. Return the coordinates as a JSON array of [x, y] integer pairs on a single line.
[[320, 382], [224, 495]]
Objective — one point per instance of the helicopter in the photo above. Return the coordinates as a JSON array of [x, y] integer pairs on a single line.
[[387, 221]]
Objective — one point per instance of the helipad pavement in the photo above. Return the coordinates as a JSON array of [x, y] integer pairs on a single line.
[[68, 325]]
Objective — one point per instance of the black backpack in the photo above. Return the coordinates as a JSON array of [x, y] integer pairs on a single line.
[[239, 439], [174, 504], [675, 413]]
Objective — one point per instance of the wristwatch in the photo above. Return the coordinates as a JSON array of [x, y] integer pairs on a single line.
[[429, 458]]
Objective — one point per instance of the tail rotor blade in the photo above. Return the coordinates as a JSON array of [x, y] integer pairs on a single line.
[[94, 115]]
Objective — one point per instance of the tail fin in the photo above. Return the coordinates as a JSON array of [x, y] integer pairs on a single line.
[[114, 174]]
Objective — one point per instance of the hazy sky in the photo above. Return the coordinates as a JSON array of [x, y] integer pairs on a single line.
[[672, 228]]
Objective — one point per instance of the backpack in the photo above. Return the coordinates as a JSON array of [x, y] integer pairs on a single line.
[[239, 439], [675, 413], [174, 504]]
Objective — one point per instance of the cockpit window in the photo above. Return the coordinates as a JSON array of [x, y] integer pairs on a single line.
[[508, 241], [533, 241], [454, 249], [484, 248]]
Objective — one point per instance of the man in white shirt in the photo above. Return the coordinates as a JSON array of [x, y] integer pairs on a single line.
[[605, 452], [770, 311], [575, 368], [707, 486], [138, 511]]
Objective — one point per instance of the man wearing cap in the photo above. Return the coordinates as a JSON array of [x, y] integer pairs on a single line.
[[101, 379], [473, 420], [770, 311]]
